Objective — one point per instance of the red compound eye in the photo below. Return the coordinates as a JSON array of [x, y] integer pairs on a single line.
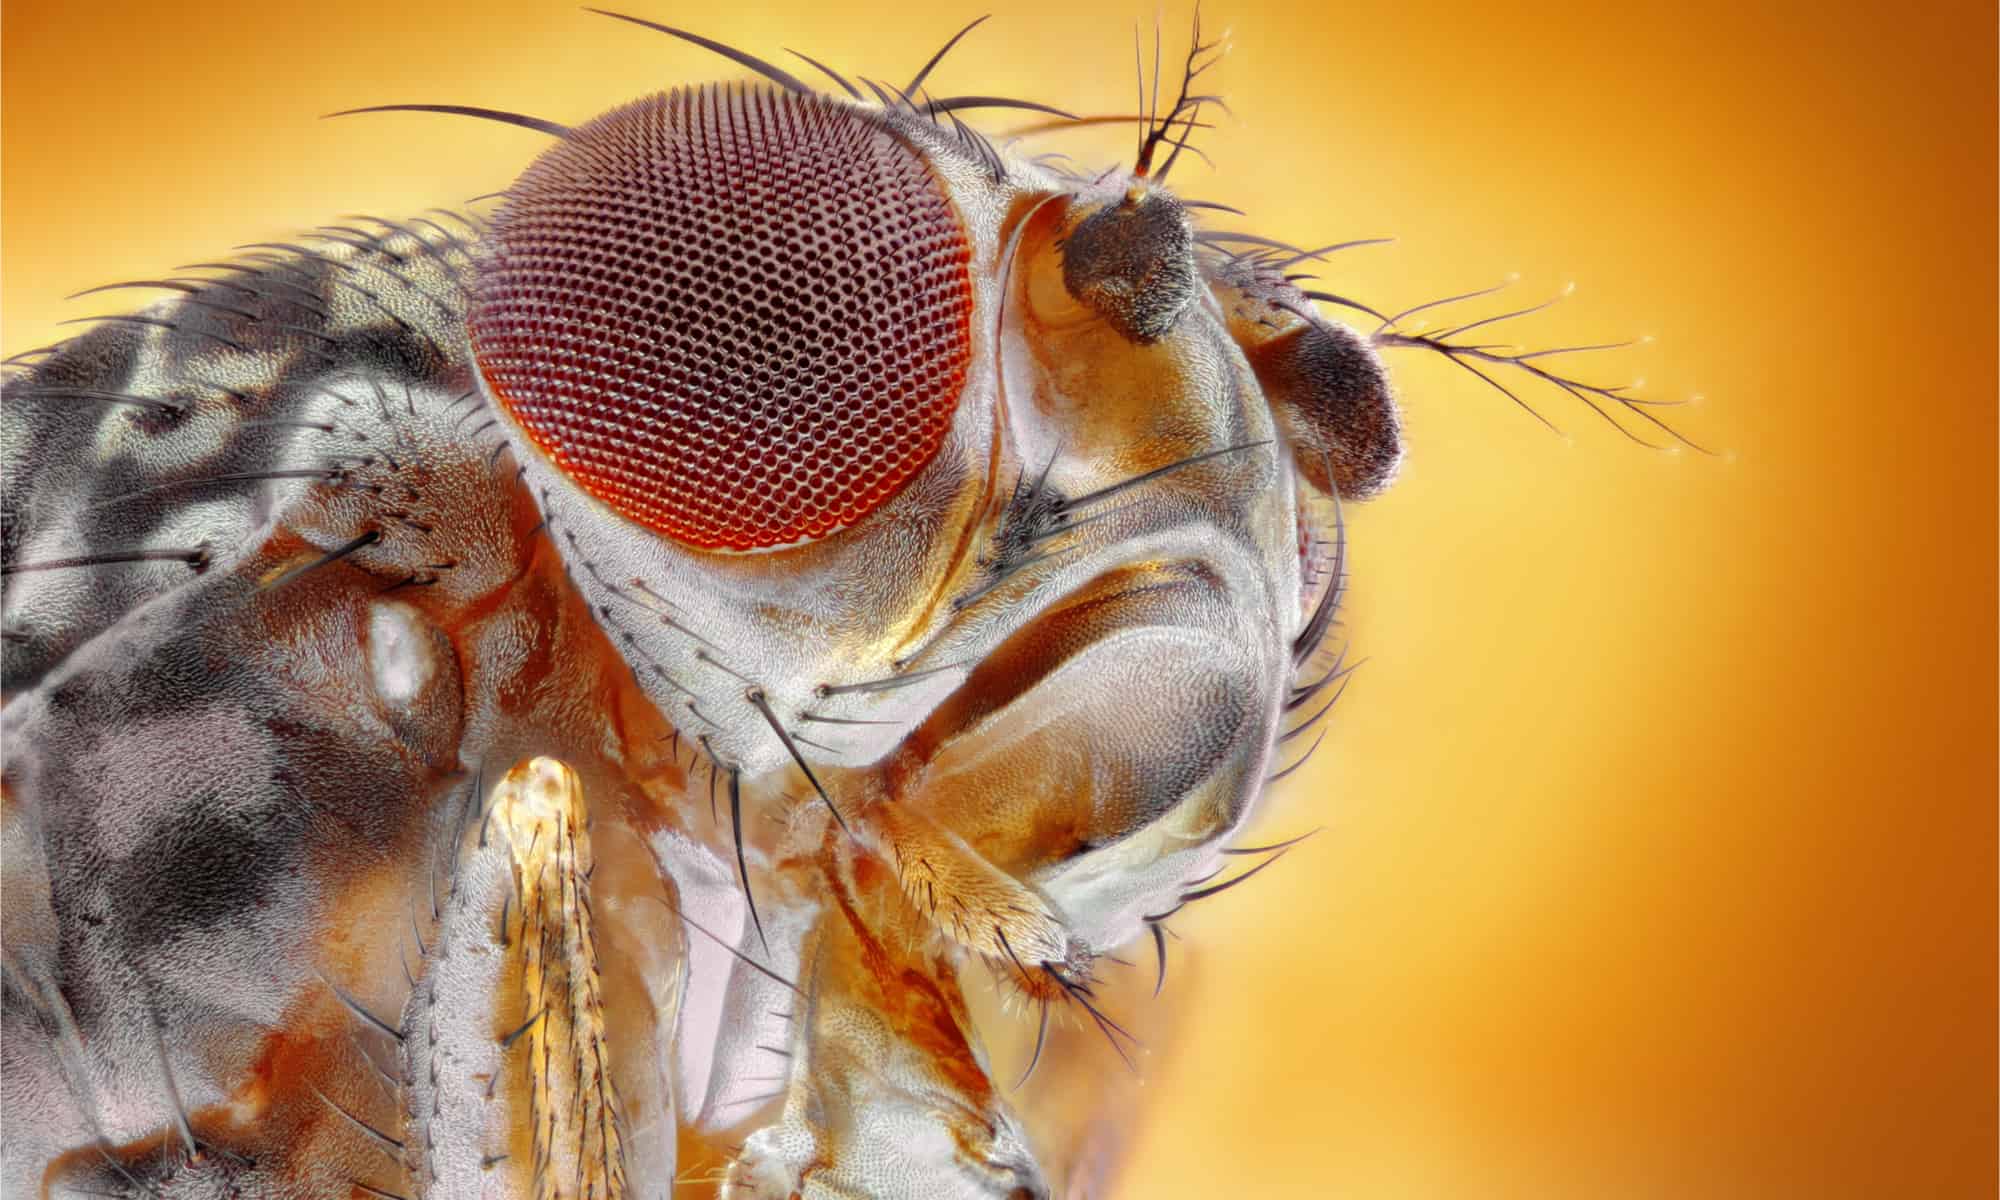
[[739, 317]]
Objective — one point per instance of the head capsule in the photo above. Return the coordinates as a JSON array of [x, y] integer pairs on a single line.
[[778, 365], [742, 341]]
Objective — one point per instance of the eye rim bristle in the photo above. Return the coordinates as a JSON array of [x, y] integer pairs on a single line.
[[499, 115], [744, 58], [827, 71], [943, 50], [960, 103], [973, 141]]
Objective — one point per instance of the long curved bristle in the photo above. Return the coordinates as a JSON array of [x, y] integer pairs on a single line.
[[942, 51], [778, 75], [959, 103], [827, 71], [552, 128]]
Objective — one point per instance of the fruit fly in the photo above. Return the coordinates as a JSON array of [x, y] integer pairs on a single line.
[[586, 700]]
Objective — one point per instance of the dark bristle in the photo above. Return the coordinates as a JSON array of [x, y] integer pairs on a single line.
[[763, 706], [355, 1006], [552, 128], [1112, 1030], [727, 945], [159, 323], [103, 397], [388, 1145], [778, 75], [883, 685], [1302, 760], [320, 473], [1216, 889], [1309, 722], [827, 71], [742, 867], [942, 51], [1308, 641], [1160, 950], [508, 1039], [962, 103], [881, 94], [1341, 301], [182, 1129], [1341, 669], [196, 557], [1041, 1039], [360, 542], [1273, 847], [1124, 485]]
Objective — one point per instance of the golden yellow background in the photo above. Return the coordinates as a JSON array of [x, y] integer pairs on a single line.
[[1659, 846]]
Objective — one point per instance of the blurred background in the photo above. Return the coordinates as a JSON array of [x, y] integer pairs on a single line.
[[1658, 829]]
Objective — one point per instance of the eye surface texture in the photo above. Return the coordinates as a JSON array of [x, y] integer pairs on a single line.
[[738, 317]]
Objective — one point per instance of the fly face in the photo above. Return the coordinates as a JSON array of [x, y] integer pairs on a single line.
[[897, 557], [810, 390]]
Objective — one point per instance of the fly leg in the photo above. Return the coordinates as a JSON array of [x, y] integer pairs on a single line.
[[886, 1090], [514, 1085]]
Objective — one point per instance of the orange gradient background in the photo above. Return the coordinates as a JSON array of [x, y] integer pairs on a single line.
[[1658, 856]]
